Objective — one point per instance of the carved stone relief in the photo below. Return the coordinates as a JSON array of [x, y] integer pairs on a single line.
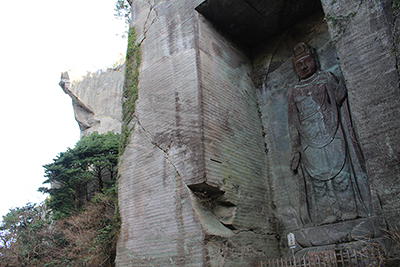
[[325, 152]]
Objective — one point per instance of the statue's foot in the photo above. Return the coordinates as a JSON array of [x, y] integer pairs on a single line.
[[349, 216], [328, 220]]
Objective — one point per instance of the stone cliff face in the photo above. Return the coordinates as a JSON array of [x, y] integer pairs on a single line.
[[205, 179], [193, 189], [368, 48], [96, 98]]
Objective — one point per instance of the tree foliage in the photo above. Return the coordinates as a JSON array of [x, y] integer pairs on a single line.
[[78, 174], [29, 237], [123, 11], [79, 223], [23, 237]]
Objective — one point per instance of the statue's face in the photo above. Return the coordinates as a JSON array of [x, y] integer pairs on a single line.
[[305, 67]]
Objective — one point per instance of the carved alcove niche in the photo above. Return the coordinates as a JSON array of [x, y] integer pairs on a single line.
[[253, 21], [264, 34]]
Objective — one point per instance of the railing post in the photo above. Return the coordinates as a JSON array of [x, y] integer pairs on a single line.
[[356, 257], [334, 259], [342, 258], [362, 260], [348, 257]]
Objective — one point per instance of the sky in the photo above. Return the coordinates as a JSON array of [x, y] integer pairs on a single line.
[[39, 40]]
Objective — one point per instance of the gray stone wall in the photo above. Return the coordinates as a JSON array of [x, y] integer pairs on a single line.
[[159, 224], [367, 46], [235, 158]]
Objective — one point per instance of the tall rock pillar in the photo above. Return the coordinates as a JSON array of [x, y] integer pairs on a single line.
[[193, 178]]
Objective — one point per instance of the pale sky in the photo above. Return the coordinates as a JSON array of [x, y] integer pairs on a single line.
[[39, 40]]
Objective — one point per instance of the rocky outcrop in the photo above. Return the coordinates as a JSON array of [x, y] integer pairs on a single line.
[[96, 98]]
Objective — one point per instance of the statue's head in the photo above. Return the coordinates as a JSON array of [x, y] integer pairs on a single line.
[[304, 61]]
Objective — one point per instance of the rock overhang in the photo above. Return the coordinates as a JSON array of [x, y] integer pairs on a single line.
[[254, 21]]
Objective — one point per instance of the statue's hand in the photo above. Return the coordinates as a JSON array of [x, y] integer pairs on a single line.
[[294, 163]]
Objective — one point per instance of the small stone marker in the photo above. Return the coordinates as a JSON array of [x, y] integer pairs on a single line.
[[292, 244], [291, 240]]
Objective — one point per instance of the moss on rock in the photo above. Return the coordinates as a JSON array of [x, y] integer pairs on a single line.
[[130, 90]]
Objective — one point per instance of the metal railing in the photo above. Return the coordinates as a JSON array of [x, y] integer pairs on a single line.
[[331, 258]]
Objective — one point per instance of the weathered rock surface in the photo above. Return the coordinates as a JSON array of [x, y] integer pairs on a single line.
[[368, 48], [96, 98]]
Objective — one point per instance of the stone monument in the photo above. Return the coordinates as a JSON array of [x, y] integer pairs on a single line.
[[325, 149]]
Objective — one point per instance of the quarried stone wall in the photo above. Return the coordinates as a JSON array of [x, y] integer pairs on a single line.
[[193, 189], [235, 157], [206, 178], [367, 44], [159, 225]]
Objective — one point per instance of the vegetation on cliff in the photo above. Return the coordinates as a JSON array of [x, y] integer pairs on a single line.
[[79, 223], [79, 173], [130, 93]]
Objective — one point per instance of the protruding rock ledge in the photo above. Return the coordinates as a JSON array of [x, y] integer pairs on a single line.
[[94, 96]]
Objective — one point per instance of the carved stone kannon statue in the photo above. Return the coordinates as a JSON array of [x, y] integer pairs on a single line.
[[325, 151]]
